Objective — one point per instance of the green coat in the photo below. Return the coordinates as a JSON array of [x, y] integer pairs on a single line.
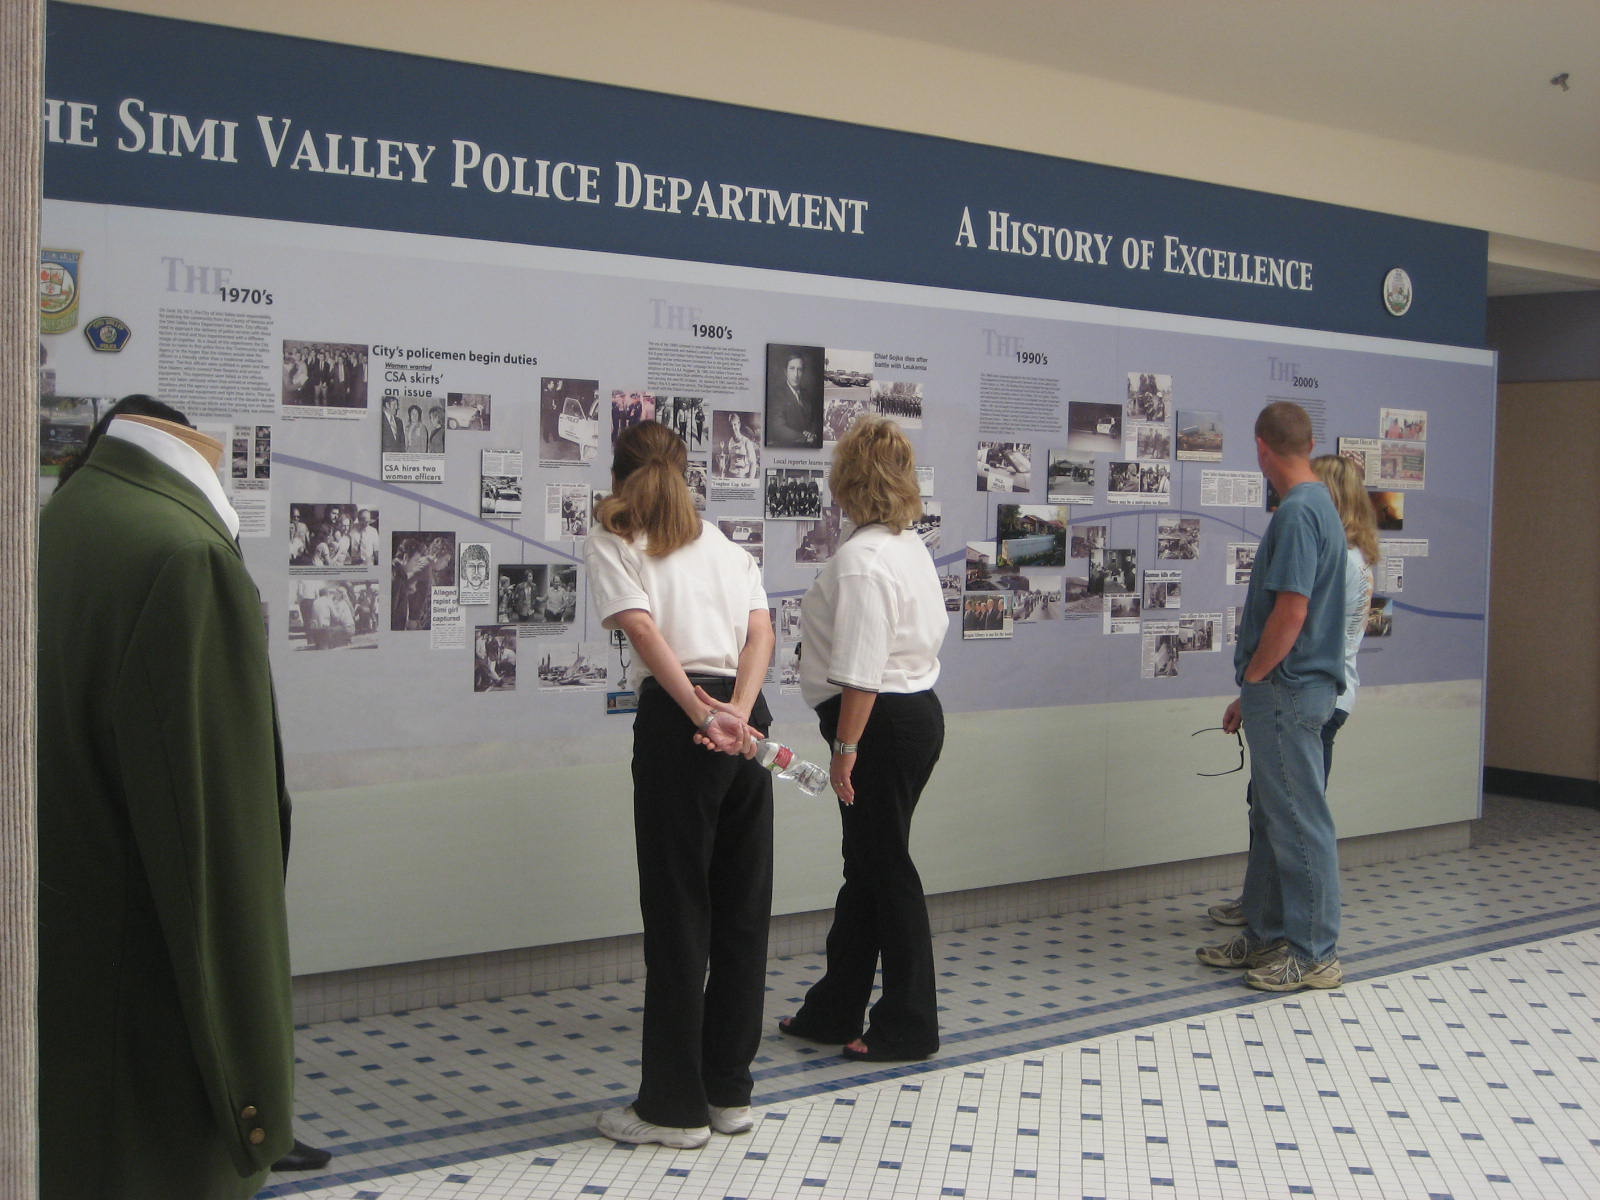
[[166, 1055]]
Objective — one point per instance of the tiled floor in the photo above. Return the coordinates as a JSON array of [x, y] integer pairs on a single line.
[[1085, 1055]]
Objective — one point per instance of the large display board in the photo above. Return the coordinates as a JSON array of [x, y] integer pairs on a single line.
[[418, 424]]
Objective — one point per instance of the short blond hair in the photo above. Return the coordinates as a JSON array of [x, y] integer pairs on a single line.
[[874, 475]]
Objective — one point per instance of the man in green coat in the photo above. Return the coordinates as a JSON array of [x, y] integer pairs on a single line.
[[165, 1042]]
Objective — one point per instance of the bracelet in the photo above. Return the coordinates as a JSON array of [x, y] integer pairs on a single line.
[[845, 747], [710, 717]]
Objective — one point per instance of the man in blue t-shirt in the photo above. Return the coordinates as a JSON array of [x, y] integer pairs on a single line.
[[1289, 664]]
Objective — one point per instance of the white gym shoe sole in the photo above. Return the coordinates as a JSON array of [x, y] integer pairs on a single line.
[[625, 1125], [732, 1120]]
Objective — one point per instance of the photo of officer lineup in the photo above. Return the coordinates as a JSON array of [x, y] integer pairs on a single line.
[[1090, 501]]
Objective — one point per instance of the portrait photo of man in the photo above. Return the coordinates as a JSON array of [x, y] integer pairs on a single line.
[[794, 396]]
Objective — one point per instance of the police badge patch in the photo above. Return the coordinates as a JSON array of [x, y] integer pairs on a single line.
[[58, 290], [107, 335]]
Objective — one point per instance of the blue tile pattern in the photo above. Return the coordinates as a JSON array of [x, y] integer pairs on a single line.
[[1086, 1055]]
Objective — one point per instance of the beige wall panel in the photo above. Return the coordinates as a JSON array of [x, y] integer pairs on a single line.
[[1544, 648]]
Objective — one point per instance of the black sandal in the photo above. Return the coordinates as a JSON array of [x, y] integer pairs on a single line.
[[883, 1053], [796, 1028]]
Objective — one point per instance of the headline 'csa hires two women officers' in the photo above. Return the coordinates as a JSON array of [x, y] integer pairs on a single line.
[[871, 627], [694, 610]]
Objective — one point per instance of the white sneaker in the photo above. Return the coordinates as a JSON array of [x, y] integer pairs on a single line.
[[732, 1120], [625, 1125]]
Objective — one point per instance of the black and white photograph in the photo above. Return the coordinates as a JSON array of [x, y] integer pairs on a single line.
[[421, 460], [789, 619], [566, 511], [1155, 482], [64, 425], [1239, 563], [816, 542], [1031, 535], [494, 658], [572, 665], [477, 581], [796, 493], [422, 560], [695, 474], [467, 411], [1122, 480], [686, 417], [900, 401], [1163, 590], [1140, 482], [241, 458], [1094, 428], [951, 578], [847, 369], [520, 593], [1148, 442], [986, 616], [1080, 601], [333, 614], [561, 594], [927, 525], [1114, 571], [735, 449], [749, 532], [500, 483], [786, 662], [569, 421], [1149, 397], [1197, 633], [1088, 540], [1005, 466], [628, 409], [1390, 510], [262, 467], [1178, 538], [794, 396], [333, 536], [846, 391], [1122, 611], [1199, 436], [325, 375], [1035, 596], [1160, 648], [1070, 478]]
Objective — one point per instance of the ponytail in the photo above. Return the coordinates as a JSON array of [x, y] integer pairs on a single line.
[[651, 494]]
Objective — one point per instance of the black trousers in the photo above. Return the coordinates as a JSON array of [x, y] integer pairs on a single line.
[[881, 911], [703, 832]]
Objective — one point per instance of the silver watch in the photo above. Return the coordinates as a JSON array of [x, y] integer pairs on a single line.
[[845, 747]]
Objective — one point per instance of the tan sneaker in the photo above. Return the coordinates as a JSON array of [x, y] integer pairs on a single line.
[[1289, 974], [1238, 952], [1229, 912]]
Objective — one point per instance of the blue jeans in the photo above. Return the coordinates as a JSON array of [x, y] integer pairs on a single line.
[[1291, 885]]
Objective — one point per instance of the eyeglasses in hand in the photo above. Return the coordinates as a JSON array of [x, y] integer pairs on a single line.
[[1237, 737]]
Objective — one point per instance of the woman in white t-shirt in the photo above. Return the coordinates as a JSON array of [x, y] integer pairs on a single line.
[[694, 610], [871, 628], [1348, 488]]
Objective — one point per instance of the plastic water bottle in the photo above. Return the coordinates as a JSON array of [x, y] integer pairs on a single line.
[[781, 761]]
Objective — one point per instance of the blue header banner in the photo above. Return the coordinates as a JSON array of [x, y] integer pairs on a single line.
[[153, 112]]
